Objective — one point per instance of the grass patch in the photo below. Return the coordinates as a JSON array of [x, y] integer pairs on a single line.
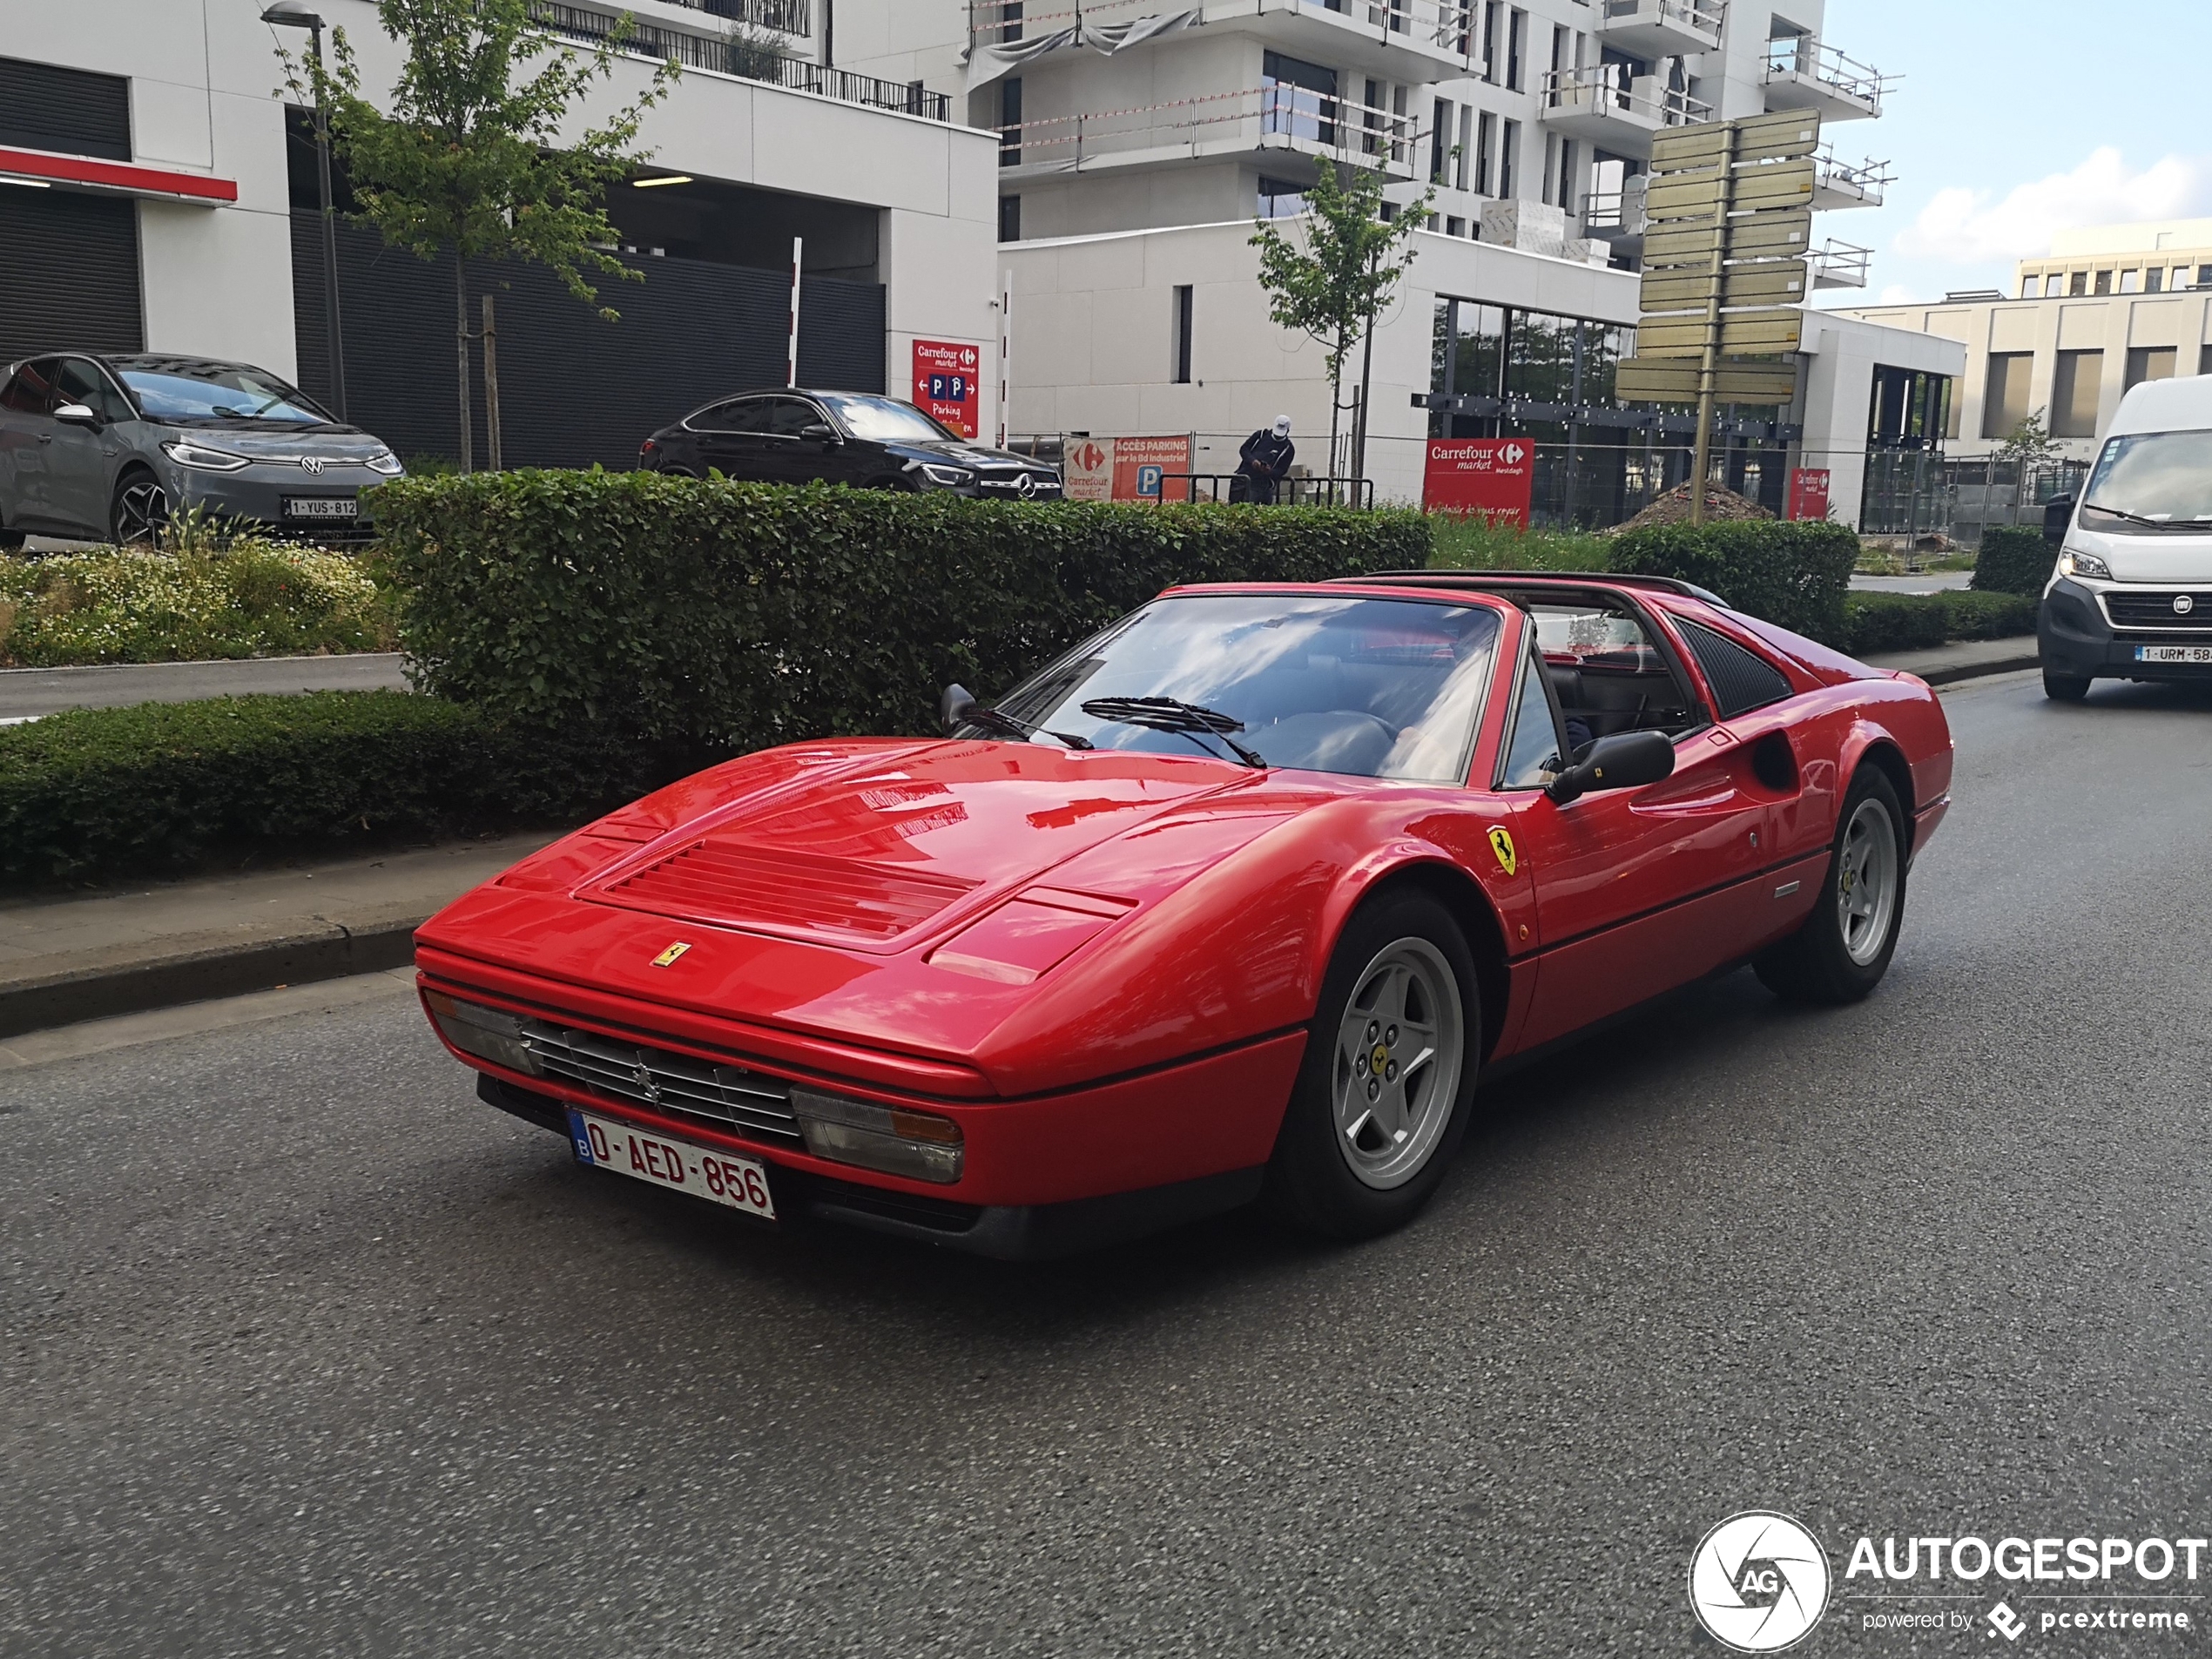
[[1470, 542]]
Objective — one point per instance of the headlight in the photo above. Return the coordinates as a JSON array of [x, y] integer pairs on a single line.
[[889, 1139], [185, 453], [486, 1033], [2076, 563], [951, 477], [386, 462]]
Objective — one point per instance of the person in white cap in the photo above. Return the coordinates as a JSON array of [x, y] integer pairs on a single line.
[[1266, 461]]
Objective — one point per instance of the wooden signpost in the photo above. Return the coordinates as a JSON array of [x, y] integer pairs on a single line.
[[1725, 270]]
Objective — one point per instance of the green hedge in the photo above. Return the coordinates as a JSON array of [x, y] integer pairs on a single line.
[[99, 793], [2013, 559], [705, 611], [1875, 623], [1792, 574]]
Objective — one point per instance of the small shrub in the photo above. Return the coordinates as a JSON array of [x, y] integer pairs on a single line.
[[2014, 559], [1792, 574], [1879, 623]]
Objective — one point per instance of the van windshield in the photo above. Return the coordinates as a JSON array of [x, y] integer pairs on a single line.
[[2150, 483]]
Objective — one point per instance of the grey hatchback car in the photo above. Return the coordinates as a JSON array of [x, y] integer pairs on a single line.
[[105, 448]]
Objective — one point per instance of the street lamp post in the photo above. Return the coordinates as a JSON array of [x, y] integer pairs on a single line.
[[290, 14]]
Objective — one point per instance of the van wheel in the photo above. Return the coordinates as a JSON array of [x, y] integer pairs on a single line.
[[2065, 688]]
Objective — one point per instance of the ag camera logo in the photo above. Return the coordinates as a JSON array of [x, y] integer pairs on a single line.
[[1758, 1583]]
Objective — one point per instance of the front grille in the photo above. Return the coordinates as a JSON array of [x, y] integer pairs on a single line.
[[681, 1085], [2155, 609]]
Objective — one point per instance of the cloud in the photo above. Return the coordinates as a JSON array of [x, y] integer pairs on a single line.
[[1964, 226]]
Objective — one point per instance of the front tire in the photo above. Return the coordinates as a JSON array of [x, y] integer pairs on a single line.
[[1844, 949], [2065, 688], [1387, 1085], [140, 510]]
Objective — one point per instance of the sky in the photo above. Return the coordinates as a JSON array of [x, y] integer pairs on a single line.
[[2011, 120]]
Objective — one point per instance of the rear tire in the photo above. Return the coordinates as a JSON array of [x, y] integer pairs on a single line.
[[1386, 1088], [2065, 688], [1842, 950]]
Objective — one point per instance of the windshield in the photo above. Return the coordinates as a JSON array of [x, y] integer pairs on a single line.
[[2164, 478], [220, 394], [1369, 688], [880, 420]]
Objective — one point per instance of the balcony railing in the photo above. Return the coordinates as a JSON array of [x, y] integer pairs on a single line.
[[1862, 185], [784, 17], [1840, 264], [1607, 88], [1803, 57], [1707, 16], [711, 52], [1450, 25], [1288, 115]]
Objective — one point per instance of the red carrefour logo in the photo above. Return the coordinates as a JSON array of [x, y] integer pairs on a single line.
[[1088, 458]]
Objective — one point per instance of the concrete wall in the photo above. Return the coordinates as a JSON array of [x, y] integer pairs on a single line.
[[1836, 404]]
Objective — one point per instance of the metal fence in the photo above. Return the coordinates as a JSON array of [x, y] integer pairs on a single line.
[[1992, 492]]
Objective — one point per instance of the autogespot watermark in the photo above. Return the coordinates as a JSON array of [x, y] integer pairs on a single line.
[[1760, 1582]]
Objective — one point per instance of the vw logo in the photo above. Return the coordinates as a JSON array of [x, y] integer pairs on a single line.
[[311, 463], [1758, 1583], [1025, 486], [2183, 603]]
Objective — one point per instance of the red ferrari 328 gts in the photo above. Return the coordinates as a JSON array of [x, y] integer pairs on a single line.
[[1238, 899]]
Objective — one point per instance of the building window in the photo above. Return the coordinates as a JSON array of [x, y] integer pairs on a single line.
[[2079, 284], [1300, 98], [1440, 143], [1010, 122], [2030, 286], [1551, 165], [1508, 151], [2074, 393], [1455, 226], [2149, 363], [2003, 403], [1490, 11], [1010, 218], [2204, 276], [2154, 279], [1566, 197], [1462, 161], [1516, 40], [2131, 281], [1486, 146], [1279, 198], [1912, 409], [2104, 282], [1183, 308]]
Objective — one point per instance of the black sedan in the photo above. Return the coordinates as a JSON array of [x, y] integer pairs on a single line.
[[797, 437]]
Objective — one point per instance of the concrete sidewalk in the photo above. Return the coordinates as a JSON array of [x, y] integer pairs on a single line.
[[28, 692], [76, 957], [1964, 659]]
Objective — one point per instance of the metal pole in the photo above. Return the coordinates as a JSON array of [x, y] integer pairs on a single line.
[[1005, 358], [798, 252], [491, 387], [337, 344], [1708, 374]]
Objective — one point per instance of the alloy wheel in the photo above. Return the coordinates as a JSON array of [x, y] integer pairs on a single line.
[[141, 511], [1867, 882], [1399, 1050]]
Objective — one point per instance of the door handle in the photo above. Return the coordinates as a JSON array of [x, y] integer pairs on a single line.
[[45, 437]]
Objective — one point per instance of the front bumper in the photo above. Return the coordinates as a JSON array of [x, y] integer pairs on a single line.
[[258, 494], [2076, 640]]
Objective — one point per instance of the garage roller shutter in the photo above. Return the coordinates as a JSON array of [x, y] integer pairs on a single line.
[[70, 110], [69, 274]]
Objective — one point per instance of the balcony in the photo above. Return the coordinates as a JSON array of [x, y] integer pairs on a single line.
[[1801, 74], [1837, 184], [1601, 104], [1618, 217], [1840, 264], [784, 17], [1414, 41], [1258, 121], [1663, 28]]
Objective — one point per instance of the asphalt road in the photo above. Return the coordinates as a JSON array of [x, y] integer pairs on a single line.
[[27, 692], [306, 1353]]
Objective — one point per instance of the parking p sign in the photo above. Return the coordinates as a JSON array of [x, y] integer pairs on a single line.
[[945, 385]]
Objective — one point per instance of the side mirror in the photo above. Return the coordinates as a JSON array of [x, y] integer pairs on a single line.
[[819, 433], [954, 708], [78, 415], [2057, 515], [1625, 760]]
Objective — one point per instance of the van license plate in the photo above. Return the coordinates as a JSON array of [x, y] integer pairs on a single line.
[[2200, 655]]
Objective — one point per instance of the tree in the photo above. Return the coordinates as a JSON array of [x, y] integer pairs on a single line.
[[1334, 287], [2030, 442], [468, 160]]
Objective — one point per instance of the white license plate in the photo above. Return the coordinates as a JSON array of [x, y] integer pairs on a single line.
[[322, 507], [681, 1165], [2201, 655]]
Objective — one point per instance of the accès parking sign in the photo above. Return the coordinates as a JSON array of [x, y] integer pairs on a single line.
[[1759, 1582]]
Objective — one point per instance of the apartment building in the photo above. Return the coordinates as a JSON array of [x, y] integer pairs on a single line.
[[1139, 139], [2105, 311], [157, 192]]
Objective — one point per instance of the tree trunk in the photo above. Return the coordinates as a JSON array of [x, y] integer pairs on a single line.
[[461, 348], [1366, 382], [1335, 398]]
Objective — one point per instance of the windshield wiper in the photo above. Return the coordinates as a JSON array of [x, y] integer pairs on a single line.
[[1172, 714], [1007, 725], [2155, 523]]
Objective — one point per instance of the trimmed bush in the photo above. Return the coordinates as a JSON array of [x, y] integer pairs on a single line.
[[745, 615], [1875, 623], [135, 605], [2013, 559], [98, 792], [1792, 574]]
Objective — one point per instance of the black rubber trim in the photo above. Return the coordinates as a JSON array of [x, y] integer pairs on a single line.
[[1042, 1233], [542, 1111]]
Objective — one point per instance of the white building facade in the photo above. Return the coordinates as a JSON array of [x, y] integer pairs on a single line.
[[157, 193]]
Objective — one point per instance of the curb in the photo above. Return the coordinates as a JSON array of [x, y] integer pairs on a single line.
[[199, 976], [1981, 670]]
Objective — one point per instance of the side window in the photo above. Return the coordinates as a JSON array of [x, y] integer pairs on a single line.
[[1741, 679], [30, 391], [747, 414], [793, 416], [1607, 672], [1531, 747], [722, 417], [83, 382]]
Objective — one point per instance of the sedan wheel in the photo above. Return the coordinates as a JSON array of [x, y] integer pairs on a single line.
[[141, 510], [1387, 1087], [1867, 882], [1843, 948]]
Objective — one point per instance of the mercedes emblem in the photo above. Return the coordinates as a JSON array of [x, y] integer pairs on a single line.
[[1026, 486]]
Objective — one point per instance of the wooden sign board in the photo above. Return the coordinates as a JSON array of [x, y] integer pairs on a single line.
[[1641, 379], [1781, 136], [1743, 333], [1774, 282], [1753, 236]]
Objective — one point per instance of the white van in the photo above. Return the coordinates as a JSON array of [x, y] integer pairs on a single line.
[[2131, 597]]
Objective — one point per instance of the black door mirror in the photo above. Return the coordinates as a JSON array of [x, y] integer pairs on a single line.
[[819, 434], [1625, 760], [2057, 515], [954, 708], [78, 415]]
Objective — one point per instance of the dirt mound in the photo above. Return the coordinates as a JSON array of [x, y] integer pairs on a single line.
[[1721, 506]]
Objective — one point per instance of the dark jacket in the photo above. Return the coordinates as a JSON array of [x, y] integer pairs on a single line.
[[1266, 460]]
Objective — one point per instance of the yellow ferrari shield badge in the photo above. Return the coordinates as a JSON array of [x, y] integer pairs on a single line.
[[1501, 844], [671, 953]]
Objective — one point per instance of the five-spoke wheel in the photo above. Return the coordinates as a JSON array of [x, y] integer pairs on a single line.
[[1843, 948], [1398, 1053]]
